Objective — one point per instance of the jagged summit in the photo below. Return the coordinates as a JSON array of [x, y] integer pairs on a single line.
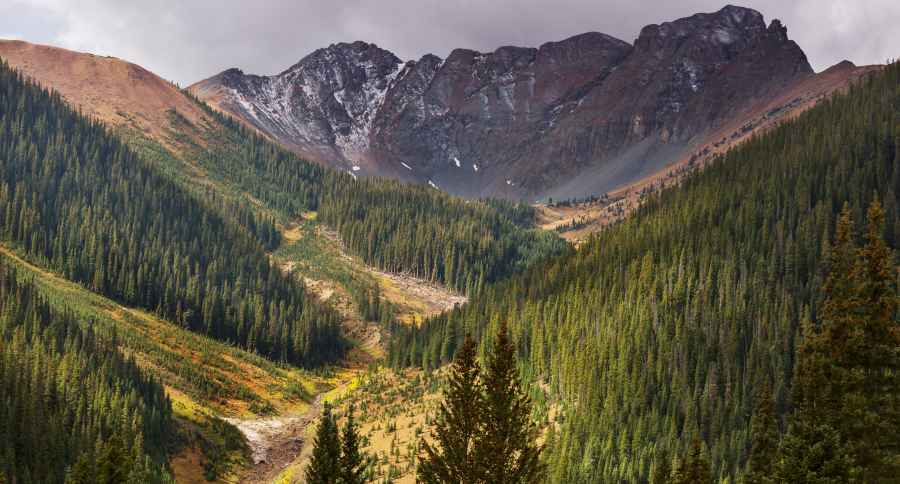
[[518, 121]]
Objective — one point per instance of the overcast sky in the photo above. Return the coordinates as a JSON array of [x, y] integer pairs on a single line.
[[188, 40]]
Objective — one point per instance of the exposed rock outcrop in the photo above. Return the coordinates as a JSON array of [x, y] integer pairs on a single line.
[[518, 121]]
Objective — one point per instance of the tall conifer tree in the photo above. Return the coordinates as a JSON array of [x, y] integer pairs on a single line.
[[352, 464], [507, 452], [871, 403], [840, 312], [765, 441], [325, 461], [451, 459]]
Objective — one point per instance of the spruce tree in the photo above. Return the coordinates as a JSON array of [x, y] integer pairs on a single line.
[[451, 459], [81, 472], [695, 468], [352, 464], [871, 410], [114, 464], [765, 441], [506, 451], [663, 471], [811, 452], [841, 307], [325, 461]]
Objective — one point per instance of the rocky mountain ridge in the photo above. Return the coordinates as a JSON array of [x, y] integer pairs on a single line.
[[519, 122]]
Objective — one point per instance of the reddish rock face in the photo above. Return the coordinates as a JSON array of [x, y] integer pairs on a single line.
[[769, 63], [519, 121]]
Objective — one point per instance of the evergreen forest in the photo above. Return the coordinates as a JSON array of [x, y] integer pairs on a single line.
[[725, 327], [76, 200], [70, 399], [671, 324]]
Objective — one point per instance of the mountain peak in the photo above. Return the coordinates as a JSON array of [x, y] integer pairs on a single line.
[[777, 31], [516, 121]]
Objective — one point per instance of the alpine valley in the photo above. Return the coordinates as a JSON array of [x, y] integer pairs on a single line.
[[682, 251]]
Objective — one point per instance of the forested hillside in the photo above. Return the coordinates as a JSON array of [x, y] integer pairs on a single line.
[[71, 399], [670, 324], [402, 227], [76, 200], [395, 226]]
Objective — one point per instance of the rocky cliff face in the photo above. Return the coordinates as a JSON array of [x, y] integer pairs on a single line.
[[324, 106], [770, 62], [517, 121]]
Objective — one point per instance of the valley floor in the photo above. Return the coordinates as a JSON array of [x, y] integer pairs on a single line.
[[393, 410]]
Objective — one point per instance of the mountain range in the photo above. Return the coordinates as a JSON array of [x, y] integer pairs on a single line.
[[521, 122], [576, 118]]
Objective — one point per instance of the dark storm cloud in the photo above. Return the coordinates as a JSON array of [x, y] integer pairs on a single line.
[[187, 40]]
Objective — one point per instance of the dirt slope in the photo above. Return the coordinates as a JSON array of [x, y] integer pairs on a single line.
[[109, 89]]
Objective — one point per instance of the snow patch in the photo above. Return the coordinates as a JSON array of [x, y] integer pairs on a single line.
[[509, 182], [286, 104], [724, 36], [689, 72], [456, 160], [432, 184], [475, 166], [355, 168], [407, 166]]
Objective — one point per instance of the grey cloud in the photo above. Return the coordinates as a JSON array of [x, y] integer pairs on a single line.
[[22, 21], [187, 40]]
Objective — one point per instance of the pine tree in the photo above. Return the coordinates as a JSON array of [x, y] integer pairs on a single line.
[[840, 310], [113, 465], [452, 459], [695, 468], [765, 441], [506, 451], [352, 463], [871, 400], [663, 471], [324, 463], [811, 452], [81, 472]]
